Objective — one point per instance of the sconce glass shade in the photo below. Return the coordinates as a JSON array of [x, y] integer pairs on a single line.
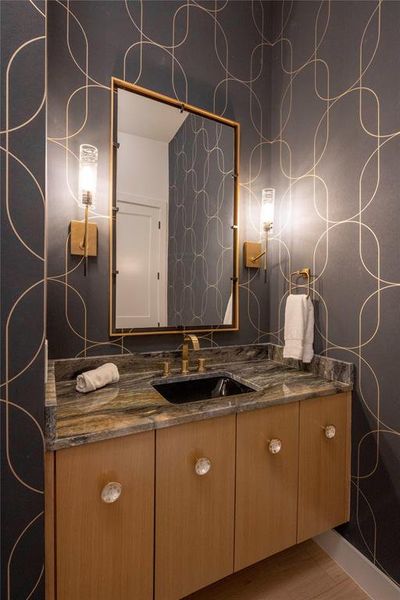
[[267, 208], [88, 158]]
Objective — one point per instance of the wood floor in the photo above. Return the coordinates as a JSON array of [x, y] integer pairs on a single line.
[[303, 572]]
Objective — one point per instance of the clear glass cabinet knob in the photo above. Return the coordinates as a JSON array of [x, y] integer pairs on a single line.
[[275, 446], [111, 492], [202, 466], [330, 431]]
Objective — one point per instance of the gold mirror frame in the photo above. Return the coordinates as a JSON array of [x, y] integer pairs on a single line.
[[124, 85]]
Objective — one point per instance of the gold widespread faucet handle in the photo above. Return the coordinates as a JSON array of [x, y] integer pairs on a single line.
[[166, 368], [202, 367], [185, 367]]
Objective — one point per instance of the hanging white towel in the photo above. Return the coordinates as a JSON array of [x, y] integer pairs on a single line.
[[295, 325], [299, 328], [97, 378], [308, 349]]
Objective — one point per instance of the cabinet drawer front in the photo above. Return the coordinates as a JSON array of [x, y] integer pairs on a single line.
[[324, 467], [194, 510], [105, 549], [266, 482]]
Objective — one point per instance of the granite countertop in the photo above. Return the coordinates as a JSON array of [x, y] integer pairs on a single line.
[[132, 405]]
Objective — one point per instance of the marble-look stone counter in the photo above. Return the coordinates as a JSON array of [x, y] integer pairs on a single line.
[[133, 405]]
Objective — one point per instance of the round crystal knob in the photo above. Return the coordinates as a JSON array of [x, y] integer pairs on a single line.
[[275, 446], [202, 466], [330, 431], [111, 492]]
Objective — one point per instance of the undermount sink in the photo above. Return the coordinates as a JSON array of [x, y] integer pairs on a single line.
[[200, 388]]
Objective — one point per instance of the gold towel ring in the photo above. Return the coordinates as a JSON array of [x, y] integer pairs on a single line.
[[306, 274]]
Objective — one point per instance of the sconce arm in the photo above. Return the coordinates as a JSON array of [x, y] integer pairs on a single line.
[[255, 258]]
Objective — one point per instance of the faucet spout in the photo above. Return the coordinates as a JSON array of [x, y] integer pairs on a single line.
[[194, 340]]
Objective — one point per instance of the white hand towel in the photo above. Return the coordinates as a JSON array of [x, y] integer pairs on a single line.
[[308, 348], [295, 326], [97, 378]]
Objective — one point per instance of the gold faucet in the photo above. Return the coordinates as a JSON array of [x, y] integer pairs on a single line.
[[189, 337]]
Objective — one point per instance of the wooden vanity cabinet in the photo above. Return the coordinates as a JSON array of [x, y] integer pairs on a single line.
[[197, 501], [104, 550], [324, 464], [194, 510], [266, 482]]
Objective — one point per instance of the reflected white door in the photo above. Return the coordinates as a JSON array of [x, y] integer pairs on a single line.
[[138, 244]]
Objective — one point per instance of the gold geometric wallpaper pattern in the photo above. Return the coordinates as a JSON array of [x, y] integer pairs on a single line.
[[23, 147], [200, 219], [315, 86], [207, 54], [335, 140]]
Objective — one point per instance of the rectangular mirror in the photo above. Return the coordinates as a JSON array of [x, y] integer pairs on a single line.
[[174, 216]]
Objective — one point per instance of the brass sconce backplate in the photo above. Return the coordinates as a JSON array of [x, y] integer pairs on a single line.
[[252, 250], [77, 238]]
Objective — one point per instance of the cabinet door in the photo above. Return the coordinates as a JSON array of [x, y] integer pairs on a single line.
[[105, 550], [194, 511], [266, 482], [324, 468]]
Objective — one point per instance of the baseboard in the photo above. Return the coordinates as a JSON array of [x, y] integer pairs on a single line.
[[367, 576]]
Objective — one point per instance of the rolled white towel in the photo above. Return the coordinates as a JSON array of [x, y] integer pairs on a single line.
[[97, 378]]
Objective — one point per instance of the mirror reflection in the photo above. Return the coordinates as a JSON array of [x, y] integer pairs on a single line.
[[174, 235]]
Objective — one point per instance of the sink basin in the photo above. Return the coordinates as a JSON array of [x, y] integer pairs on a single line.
[[202, 388]]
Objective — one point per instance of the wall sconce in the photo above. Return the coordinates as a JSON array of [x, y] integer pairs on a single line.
[[84, 234], [254, 251]]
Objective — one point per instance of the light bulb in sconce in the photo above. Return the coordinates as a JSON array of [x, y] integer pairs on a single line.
[[88, 158], [267, 208], [254, 252], [84, 234]]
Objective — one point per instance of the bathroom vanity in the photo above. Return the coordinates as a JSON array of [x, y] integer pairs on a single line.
[[147, 498], [178, 475]]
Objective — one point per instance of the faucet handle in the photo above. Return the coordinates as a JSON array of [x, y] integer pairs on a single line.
[[185, 367], [202, 367], [166, 369]]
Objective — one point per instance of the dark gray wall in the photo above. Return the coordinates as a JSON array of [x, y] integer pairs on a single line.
[[200, 219], [335, 164], [210, 55], [22, 297]]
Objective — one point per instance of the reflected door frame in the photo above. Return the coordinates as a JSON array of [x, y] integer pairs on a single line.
[[162, 259]]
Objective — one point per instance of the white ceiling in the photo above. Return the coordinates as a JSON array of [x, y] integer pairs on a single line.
[[148, 118]]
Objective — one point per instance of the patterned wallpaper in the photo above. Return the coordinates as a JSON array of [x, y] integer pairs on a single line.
[[335, 139], [322, 128], [22, 145], [200, 250], [212, 55]]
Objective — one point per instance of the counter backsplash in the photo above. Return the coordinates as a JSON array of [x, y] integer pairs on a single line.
[[322, 366]]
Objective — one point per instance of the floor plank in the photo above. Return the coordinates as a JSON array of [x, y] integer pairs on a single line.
[[304, 572]]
